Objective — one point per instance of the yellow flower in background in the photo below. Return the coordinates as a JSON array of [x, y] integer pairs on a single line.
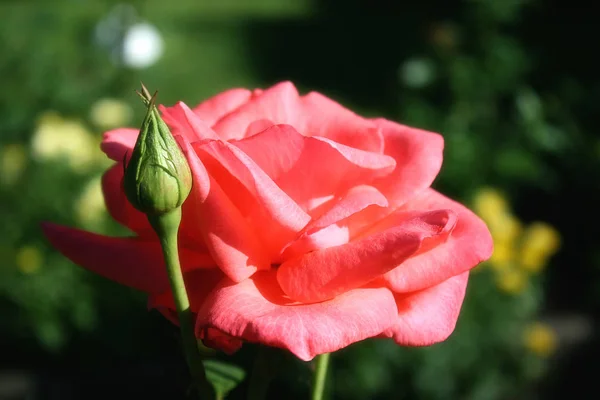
[[489, 203], [65, 139], [493, 207], [29, 259], [511, 281], [503, 255], [90, 209], [110, 113], [540, 339], [13, 161], [540, 241], [505, 227]]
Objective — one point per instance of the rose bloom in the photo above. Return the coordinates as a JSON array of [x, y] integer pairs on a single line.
[[308, 227]]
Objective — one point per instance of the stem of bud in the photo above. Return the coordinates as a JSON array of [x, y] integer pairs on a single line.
[[167, 226]]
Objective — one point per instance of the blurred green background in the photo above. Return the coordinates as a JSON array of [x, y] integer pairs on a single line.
[[511, 84]]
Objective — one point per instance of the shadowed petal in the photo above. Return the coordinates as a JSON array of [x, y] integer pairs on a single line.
[[428, 316], [126, 260]]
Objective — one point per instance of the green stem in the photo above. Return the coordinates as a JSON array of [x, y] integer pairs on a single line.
[[320, 376], [167, 226]]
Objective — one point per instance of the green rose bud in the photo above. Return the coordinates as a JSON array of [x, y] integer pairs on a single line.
[[158, 178]]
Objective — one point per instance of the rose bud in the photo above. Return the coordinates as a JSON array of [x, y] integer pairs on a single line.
[[157, 178]]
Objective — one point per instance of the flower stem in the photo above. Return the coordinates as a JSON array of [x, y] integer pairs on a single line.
[[167, 226], [320, 376]]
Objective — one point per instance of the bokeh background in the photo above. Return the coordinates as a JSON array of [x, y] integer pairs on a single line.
[[511, 84]]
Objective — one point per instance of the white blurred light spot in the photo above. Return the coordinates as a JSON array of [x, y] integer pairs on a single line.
[[142, 46], [417, 73]]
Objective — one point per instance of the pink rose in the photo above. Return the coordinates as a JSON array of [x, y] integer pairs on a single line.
[[308, 227]]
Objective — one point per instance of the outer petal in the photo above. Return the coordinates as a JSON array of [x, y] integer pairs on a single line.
[[256, 310], [116, 143], [217, 339], [324, 117], [297, 163], [278, 104], [211, 110], [218, 223], [324, 274], [469, 244], [129, 261], [119, 207], [186, 123], [418, 156], [312, 115], [428, 316]]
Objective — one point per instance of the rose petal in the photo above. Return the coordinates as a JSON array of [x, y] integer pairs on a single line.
[[469, 244], [312, 115], [337, 225], [219, 224], [256, 310], [428, 316], [211, 110], [258, 126], [295, 163], [277, 219], [324, 117], [129, 261], [326, 273], [277, 104], [418, 155], [186, 123], [117, 142], [217, 339], [119, 207]]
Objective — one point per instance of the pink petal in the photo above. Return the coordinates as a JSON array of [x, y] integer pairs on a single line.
[[211, 110], [338, 224], [276, 218], [116, 143], [219, 224], [129, 261], [428, 316], [295, 163], [119, 207], [217, 339], [312, 115], [326, 273], [186, 123], [324, 117], [258, 126], [277, 104], [418, 155], [469, 244], [256, 310]]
